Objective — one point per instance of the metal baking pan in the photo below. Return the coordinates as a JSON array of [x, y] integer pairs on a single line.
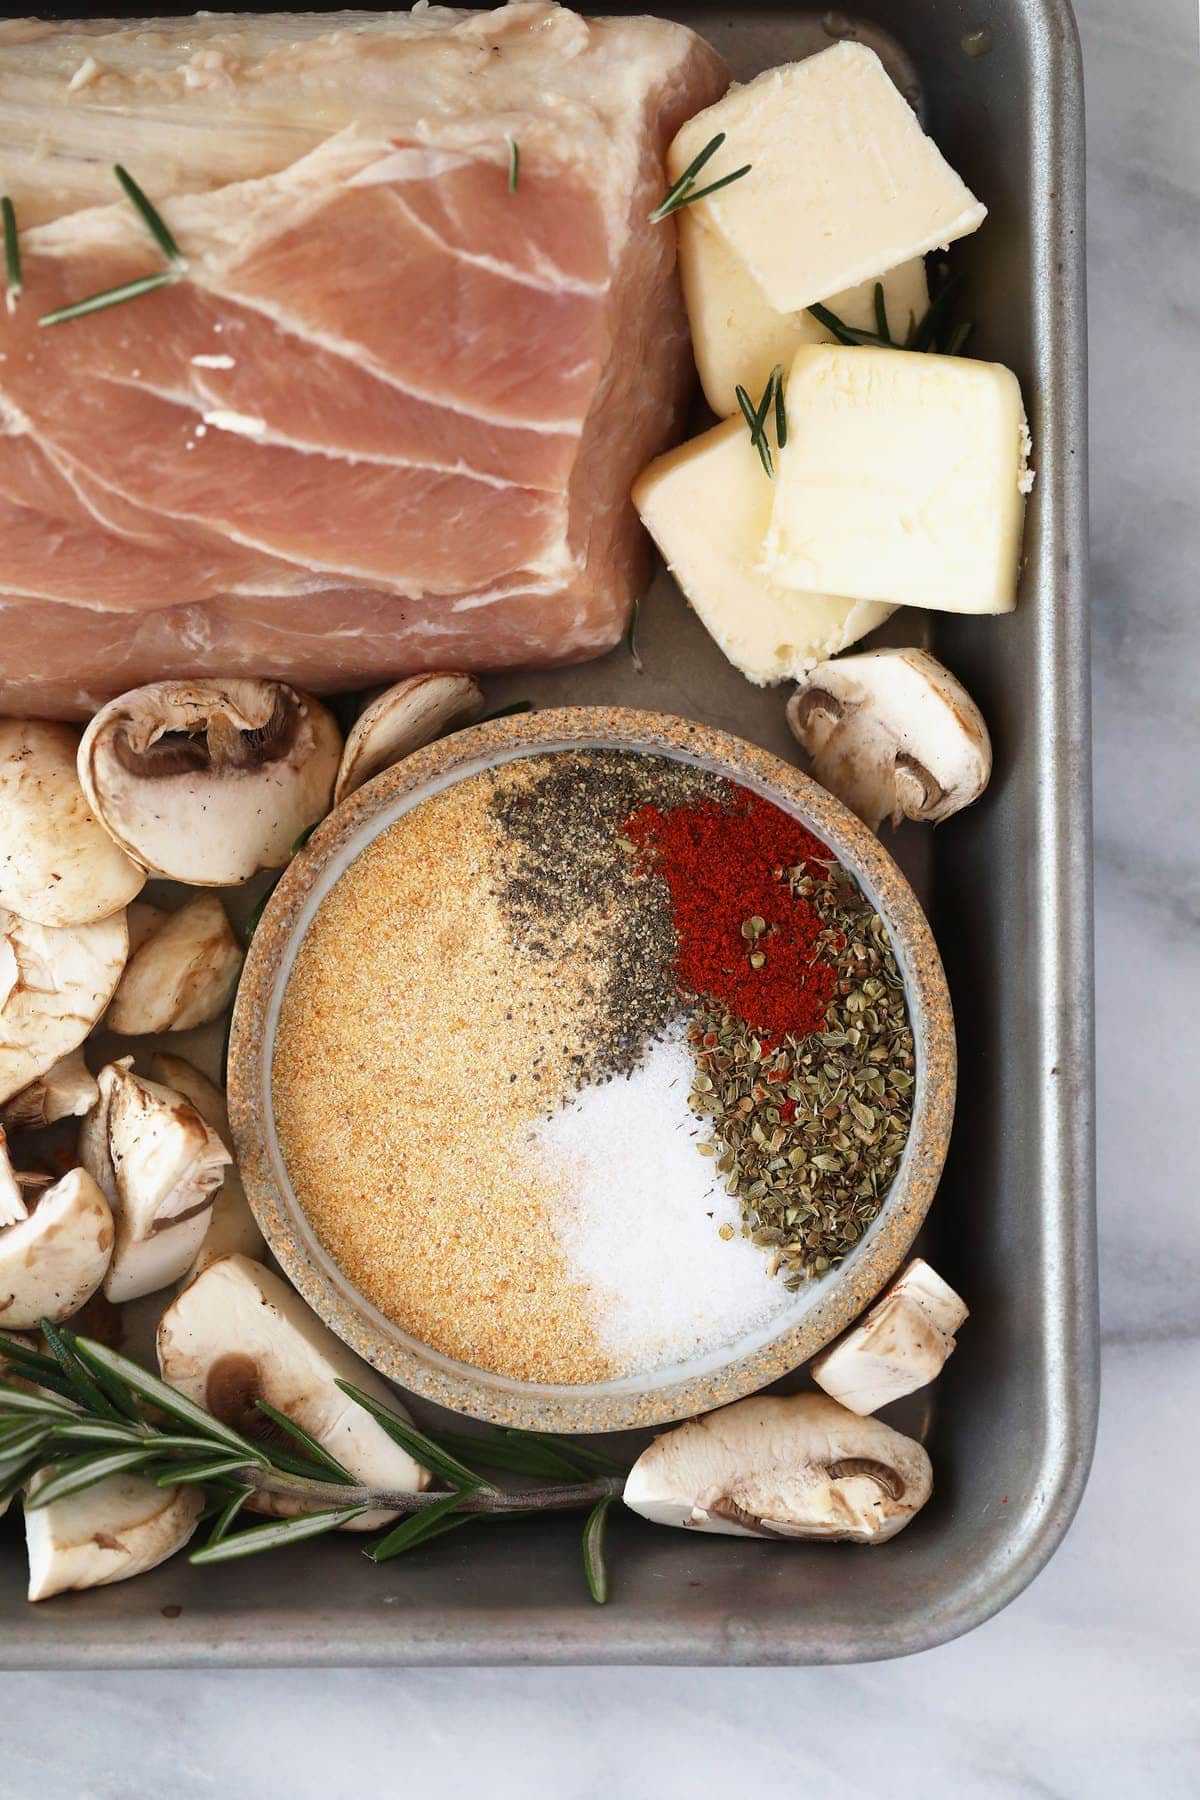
[[1010, 1424]]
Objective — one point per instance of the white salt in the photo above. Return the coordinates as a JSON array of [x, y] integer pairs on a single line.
[[638, 1215]]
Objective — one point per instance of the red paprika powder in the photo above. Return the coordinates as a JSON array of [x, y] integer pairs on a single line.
[[723, 868]]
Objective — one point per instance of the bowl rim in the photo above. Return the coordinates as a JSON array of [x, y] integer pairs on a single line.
[[631, 1402]]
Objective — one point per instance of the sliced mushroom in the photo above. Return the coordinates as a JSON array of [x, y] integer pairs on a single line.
[[54, 985], [159, 1165], [58, 866], [799, 1466], [232, 1229], [54, 1260], [183, 974], [893, 734], [210, 781], [900, 1345], [403, 719], [12, 1202], [108, 1532], [66, 1091], [238, 1334]]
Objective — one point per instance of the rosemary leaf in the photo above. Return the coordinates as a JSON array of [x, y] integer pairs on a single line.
[[189, 1474], [80, 1472], [17, 1400], [179, 1444], [76, 1373], [440, 1461], [957, 338], [881, 318], [631, 638], [275, 1535], [128, 290], [168, 1399], [228, 1513], [155, 222], [12, 1482], [594, 1565], [317, 1452], [781, 433], [514, 164], [414, 1530], [299, 842], [12, 255], [848, 334], [98, 1431]]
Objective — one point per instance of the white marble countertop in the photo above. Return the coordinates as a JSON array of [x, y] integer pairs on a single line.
[[1089, 1685]]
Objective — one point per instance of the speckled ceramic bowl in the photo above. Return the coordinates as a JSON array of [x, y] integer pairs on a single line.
[[820, 1310]]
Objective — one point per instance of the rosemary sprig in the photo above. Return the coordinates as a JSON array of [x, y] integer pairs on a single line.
[[108, 1416], [155, 223], [514, 164], [12, 255], [684, 192]]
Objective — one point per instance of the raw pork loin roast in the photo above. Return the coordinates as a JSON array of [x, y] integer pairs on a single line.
[[389, 416]]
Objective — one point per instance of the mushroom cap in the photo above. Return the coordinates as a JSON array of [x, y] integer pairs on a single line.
[[237, 1334], [108, 1532], [900, 1345], [58, 865], [159, 1165], [53, 1261], [66, 1091], [143, 919], [893, 734], [788, 1466], [183, 973], [403, 719], [208, 782], [232, 1229], [54, 984]]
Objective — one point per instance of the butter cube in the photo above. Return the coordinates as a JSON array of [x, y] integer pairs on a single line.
[[843, 184], [738, 337], [904, 479], [707, 506]]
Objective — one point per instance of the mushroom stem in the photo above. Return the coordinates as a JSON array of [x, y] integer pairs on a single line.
[[562, 1497]]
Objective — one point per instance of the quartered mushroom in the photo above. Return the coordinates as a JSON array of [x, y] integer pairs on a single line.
[[58, 866], [12, 1201], [54, 1260], [796, 1466], [108, 1532], [208, 782], [65, 1091], [54, 984], [159, 1165], [892, 734], [232, 1229], [900, 1345], [143, 919], [406, 717], [182, 974], [238, 1334]]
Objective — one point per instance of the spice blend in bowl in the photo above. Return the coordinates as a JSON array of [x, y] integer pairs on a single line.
[[588, 1062]]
